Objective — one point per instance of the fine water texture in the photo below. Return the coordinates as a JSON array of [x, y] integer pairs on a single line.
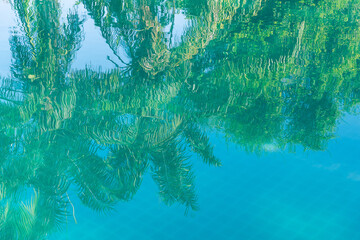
[[179, 119]]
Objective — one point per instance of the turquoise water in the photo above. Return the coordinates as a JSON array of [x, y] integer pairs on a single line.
[[277, 196], [204, 119]]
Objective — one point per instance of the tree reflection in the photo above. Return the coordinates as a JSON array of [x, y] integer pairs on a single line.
[[39, 98], [258, 72]]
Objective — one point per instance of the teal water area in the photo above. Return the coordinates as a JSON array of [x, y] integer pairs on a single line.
[[204, 119], [275, 196]]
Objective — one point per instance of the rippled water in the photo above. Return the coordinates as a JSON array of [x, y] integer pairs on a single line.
[[184, 119]]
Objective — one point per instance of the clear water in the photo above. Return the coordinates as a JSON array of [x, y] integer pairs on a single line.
[[194, 119]]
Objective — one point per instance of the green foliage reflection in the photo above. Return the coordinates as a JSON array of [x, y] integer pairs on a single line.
[[263, 73]]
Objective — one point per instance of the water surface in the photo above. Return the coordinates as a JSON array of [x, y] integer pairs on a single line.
[[145, 119]]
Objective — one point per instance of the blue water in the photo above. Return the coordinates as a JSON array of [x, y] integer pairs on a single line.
[[146, 119], [306, 195]]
